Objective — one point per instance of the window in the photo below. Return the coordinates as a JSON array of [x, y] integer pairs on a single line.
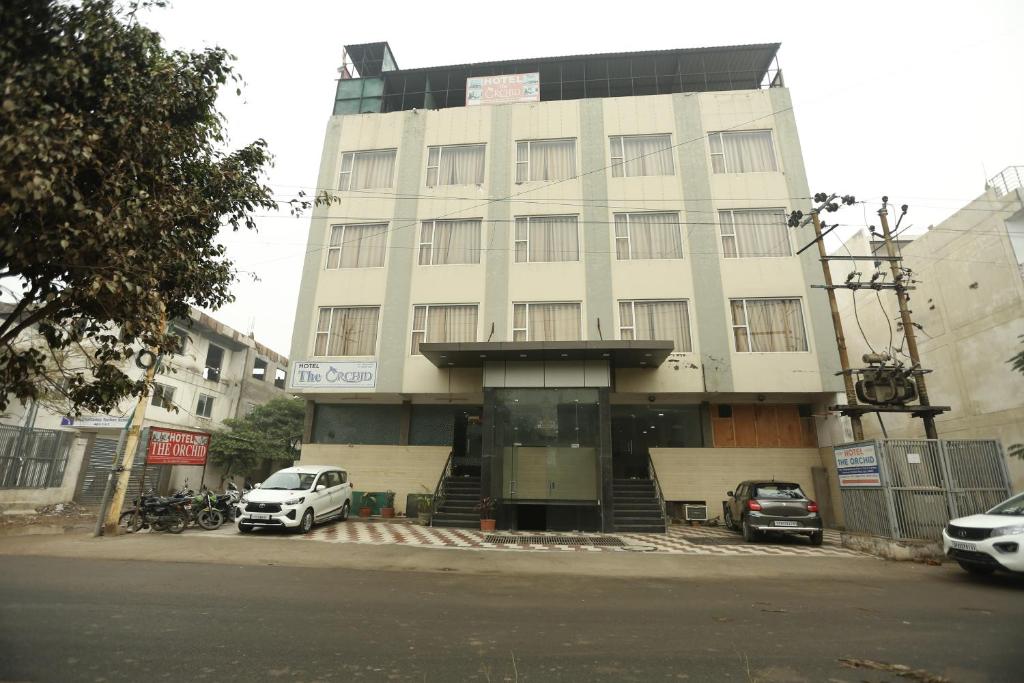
[[768, 325], [546, 322], [205, 406], [545, 160], [350, 331], [279, 377], [655, 320], [357, 246], [641, 155], [755, 232], [214, 359], [647, 236], [259, 369], [455, 165], [365, 170], [448, 242], [742, 151], [449, 323], [163, 396], [182, 342], [546, 238]]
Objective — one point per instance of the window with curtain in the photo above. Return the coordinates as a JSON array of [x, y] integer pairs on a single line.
[[546, 322], [546, 238], [641, 155], [357, 246], [455, 165], [656, 320], [443, 323], [754, 232], [449, 242], [746, 151], [545, 160], [647, 236], [768, 325], [347, 331], [366, 170]]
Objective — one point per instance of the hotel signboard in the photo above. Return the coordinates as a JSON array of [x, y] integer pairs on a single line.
[[334, 375], [857, 465], [506, 89]]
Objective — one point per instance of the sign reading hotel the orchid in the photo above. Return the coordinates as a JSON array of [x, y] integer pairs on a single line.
[[505, 89], [334, 375], [176, 447], [857, 465]]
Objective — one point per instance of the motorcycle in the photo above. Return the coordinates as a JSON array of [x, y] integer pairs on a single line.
[[156, 513], [206, 510]]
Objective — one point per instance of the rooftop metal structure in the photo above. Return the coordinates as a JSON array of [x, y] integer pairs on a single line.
[[378, 85]]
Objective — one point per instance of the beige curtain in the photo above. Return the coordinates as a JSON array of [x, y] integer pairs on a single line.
[[547, 238], [365, 170], [357, 246], [460, 165], [659, 320], [347, 331], [455, 323], [642, 155], [452, 242], [647, 236], [771, 325], [754, 233], [749, 151], [552, 322], [545, 160]]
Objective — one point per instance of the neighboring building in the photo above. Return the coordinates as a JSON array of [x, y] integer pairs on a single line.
[[552, 291], [219, 374], [969, 302]]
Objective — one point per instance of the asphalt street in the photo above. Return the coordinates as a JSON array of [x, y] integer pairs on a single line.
[[68, 619]]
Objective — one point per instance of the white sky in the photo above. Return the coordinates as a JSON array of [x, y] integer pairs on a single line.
[[917, 100]]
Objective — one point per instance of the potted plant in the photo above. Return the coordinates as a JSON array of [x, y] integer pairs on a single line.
[[387, 504], [366, 504], [486, 508], [425, 508]]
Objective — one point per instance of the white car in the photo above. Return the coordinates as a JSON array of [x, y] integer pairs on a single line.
[[981, 544], [297, 498]]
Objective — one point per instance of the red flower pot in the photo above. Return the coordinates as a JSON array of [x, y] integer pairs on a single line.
[[487, 524]]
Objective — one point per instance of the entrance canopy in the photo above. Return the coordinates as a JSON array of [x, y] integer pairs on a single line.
[[619, 354]]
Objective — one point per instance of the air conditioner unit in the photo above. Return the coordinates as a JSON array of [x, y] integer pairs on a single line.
[[695, 513]]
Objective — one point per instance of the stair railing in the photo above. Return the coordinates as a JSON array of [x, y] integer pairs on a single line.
[[439, 489], [653, 474]]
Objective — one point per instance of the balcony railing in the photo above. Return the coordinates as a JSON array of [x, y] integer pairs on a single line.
[[1007, 180]]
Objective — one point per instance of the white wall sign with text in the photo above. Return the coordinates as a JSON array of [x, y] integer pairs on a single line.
[[95, 421], [334, 375], [858, 465], [504, 89]]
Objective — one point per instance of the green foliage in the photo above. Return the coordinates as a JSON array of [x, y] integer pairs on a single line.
[[264, 434], [115, 178]]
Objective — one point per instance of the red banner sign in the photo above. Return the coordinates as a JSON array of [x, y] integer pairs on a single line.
[[175, 447]]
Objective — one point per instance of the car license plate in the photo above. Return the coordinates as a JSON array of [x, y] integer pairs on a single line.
[[260, 515], [960, 545], [778, 523]]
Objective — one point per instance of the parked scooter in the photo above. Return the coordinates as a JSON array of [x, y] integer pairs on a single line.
[[157, 513]]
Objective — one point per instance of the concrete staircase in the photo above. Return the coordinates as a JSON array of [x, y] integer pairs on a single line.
[[638, 507], [458, 510]]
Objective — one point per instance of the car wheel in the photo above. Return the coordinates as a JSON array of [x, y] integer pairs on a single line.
[[976, 569], [750, 535], [729, 523], [344, 513], [817, 537], [244, 528], [306, 523]]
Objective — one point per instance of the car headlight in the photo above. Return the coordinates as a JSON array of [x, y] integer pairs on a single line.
[[1008, 530], [295, 501], [244, 500]]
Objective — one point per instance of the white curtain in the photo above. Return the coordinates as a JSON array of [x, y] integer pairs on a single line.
[[642, 155], [547, 238], [647, 236], [659, 320], [459, 165], [545, 160], [347, 331], [365, 170], [749, 151], [553, 322], [758, 232], [357, 246], [454, 242], [772, 325], [456, 323]]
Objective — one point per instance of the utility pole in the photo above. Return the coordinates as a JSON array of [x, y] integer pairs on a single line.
[[908, 325], [134, 432]]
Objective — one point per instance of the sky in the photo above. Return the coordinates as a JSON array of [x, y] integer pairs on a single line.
[[921, 101]]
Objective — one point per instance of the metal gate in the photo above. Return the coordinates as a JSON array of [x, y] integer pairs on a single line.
[[101, 458], [33, 458], [924, 484]]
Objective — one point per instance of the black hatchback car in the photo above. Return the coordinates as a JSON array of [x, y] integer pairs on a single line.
[[758, 507]]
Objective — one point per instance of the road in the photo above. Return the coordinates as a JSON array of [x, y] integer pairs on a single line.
[[73, 619]]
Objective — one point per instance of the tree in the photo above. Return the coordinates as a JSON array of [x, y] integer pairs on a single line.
[[264, 434], [115, 178]]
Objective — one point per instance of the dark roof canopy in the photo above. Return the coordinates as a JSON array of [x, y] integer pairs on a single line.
[[621, 354]]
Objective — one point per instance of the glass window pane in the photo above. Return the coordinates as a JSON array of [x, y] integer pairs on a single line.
[[738, 316]]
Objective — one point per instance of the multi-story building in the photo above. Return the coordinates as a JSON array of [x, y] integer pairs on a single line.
[[969, 301], [564, 274]]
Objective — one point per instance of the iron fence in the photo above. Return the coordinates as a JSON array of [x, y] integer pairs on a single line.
[[923, 484], [32, 458]]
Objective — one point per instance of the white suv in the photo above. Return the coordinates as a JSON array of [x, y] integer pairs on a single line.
[[984, 543], [296, 498]]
